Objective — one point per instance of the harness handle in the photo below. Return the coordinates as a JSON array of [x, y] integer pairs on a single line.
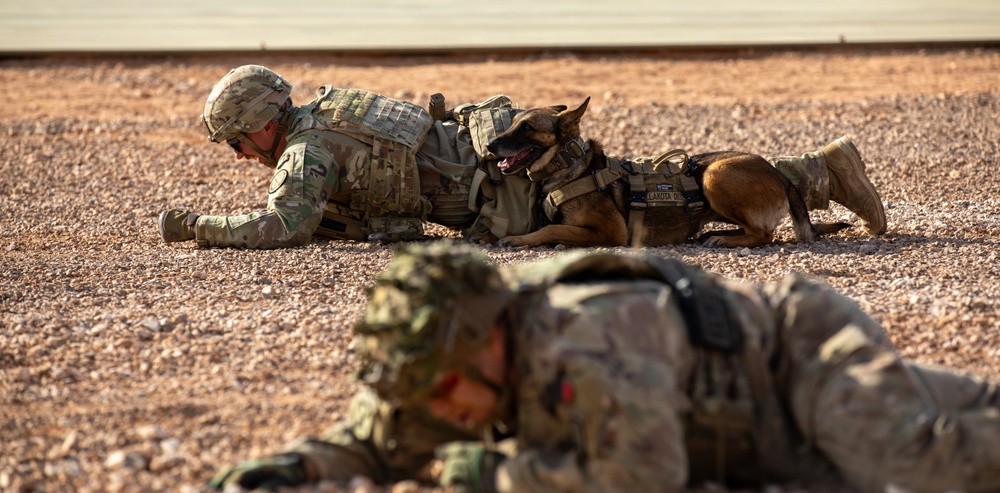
[[672, 155]]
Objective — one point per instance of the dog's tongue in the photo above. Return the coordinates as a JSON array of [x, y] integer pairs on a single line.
[[509, 161]]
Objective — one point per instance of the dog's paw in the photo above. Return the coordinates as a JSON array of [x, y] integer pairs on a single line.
[[517, 242], [716, 242], [483, 238]]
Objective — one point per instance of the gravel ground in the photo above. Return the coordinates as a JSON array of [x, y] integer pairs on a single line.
[[130, 365]]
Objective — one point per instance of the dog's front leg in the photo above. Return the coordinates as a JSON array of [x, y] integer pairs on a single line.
[[562, 234]]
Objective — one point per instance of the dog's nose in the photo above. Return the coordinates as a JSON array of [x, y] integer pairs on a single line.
[[492, 146]]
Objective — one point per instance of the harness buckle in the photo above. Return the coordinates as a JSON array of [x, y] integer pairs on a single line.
[[597, 183]]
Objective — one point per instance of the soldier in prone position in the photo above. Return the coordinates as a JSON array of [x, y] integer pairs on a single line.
[[356, 165], [603, 372]]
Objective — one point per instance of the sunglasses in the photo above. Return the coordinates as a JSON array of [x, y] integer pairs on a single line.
[[444, 387], [234, 143]]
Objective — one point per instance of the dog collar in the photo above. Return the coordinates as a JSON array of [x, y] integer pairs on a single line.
[[566, 158]]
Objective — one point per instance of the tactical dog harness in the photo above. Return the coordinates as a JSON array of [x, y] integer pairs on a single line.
[[665, 181]]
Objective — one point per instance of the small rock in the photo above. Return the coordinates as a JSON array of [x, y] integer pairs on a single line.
[[151, 432], [127, 460]]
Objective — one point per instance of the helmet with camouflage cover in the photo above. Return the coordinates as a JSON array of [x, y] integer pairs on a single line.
[[244, 101], [431, 308]]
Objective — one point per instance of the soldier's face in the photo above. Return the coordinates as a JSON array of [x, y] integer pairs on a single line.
[[263, 138], [462, 401]]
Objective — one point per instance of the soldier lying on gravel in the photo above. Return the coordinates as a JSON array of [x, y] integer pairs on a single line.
[[352, 164], [604, 372]]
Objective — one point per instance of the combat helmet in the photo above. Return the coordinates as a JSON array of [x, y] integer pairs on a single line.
[[243, 102], [432, 307]]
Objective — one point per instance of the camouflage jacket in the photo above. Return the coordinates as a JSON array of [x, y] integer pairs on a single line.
[[611, 394], [332, 157], [609, 387]]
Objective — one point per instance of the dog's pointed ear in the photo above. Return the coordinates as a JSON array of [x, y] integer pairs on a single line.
[[559, 108], [570, 117]]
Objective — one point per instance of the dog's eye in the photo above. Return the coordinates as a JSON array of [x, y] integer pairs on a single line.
[[528, 127]]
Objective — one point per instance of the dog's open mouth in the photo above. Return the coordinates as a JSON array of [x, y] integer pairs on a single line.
[[517, 162]]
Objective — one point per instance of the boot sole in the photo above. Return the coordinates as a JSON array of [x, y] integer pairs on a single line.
[[845, 144]]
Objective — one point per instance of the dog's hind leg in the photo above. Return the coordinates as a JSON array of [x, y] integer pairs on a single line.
[[747, 192]]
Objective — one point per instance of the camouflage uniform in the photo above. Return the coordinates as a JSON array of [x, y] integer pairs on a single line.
[[322, 168], [623, 385]]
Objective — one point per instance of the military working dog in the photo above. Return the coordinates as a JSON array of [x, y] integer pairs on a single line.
[[592, 198]]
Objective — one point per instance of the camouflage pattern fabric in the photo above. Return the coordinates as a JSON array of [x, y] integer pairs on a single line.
[[320, 165], [315, 167], [430, 307], [379, 441], [808, 173], [356, 111], [879, 418], [244, 101], [604, 394]]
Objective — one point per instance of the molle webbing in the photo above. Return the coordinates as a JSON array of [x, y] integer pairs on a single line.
[[357, 112], [391, 185], [655, 182], [387, 194]]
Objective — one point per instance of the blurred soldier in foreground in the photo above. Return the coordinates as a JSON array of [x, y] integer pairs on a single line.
[[603, 372], [352, 164]]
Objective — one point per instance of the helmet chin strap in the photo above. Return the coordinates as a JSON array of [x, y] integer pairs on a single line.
[[270, 160]]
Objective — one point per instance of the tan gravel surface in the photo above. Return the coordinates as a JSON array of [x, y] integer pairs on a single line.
[[127, 364]]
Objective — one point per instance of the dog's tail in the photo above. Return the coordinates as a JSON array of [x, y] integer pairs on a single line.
[[805, 229]]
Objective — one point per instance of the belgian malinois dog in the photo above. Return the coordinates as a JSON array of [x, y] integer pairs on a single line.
[[739, 188]]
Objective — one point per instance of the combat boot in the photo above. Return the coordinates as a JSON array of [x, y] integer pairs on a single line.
[[849, 185], [176, 225]]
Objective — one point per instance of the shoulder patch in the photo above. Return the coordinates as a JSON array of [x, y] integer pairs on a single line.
[[279, 179]]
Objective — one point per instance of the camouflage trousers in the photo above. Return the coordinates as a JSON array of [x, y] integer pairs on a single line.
[[808, 173], [880, 419]]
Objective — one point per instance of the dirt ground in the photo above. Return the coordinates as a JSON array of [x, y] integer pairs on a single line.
[[127, 364]]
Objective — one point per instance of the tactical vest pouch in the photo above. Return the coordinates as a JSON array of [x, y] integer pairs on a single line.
[[486, 120], [390, 229], [391, 187], [461, 112], [505, 210], [360, 113], [666, 180], [486, 124], [341, 223]]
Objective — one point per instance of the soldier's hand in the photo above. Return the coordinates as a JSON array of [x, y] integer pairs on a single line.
[[468, 467], [264, 474], [177, 225]]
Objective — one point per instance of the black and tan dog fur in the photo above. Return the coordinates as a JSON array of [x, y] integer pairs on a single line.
[[740, 188]]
